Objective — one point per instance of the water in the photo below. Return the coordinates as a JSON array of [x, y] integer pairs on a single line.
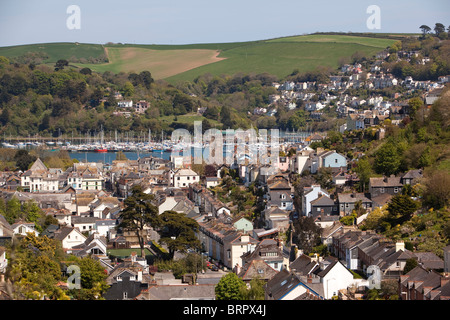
[[109, 157]]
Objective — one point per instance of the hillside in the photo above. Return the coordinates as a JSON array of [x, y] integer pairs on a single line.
[[186, 62]]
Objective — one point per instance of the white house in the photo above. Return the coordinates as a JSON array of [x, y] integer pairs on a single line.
[[236, 248], [104, 227], [84, 223], [310, 194], [39, 178], [3, 260], [168, 204], [125, 104], [69, 237], [182, 178], [22, 228], [336, 277]]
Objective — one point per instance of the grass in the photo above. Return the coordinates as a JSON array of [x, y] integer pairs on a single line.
[[161, 63], [56, 51], [365, 41], [186, 62], [278, 58]]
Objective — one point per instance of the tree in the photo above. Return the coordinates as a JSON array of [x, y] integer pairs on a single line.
[[128, 89], [364, 171], [437, 189], [93, 278], [23, 159], [387, 159], [230, 287], [256, 290], [177, 231], [308, 233], [138, 214], [425, 29], [60, 64], [439, 28], [414, 105], [400, 209]]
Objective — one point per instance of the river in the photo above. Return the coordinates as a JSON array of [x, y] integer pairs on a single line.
[[109, 157]]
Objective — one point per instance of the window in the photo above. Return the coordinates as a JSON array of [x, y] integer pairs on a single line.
[[395, 189], [381, 190]]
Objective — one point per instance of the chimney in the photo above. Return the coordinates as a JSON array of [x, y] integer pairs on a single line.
[[399, 245], [237, 268], [139, 277], [133, 257], [245, 238]]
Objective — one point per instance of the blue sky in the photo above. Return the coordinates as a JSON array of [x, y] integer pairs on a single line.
[[205, 21]]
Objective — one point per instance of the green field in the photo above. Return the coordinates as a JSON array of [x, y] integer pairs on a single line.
[[56, 51], [175, 63]]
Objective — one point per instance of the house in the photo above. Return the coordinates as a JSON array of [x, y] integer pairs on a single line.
[[69, 237], [125, 104], [212, 182], [256, 269], [236, 245], [6, 231], [3, 260], [300, 162], [141, 106], [345, 246], [243, 224], [22, 228], [328, 159], [105, 227], [127, 280], [270, 251], [323, 208], [347, 202], [39, 178], [423, 284], [390, 185], [309, 194], [84, 224], [411, 177], [286, 285], [179, 292], [280, 193], [64, 216], [389, 257], [182, 178], [355, 121], [334, 278], [326, 276], [276, 218], [95, 244]]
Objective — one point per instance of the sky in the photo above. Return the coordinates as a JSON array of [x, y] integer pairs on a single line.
[[206, 21]]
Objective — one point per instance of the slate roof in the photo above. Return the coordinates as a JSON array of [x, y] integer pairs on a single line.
[[257, 269], [281, 284], [179, 292], [385, 182]]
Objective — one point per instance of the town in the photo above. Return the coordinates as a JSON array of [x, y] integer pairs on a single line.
[[313, 223]]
